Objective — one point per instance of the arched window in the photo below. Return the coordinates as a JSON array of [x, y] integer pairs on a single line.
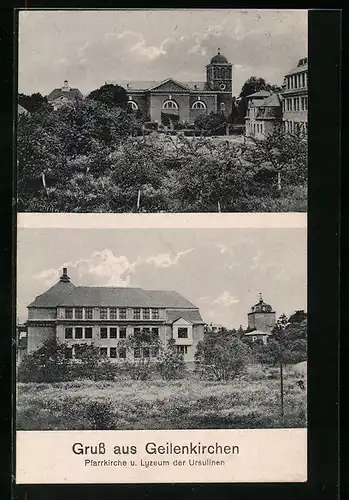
[[199, 105], [170, 105], [133, 105], [222, 106]]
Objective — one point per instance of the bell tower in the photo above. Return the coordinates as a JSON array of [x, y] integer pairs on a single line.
[[219, 74]]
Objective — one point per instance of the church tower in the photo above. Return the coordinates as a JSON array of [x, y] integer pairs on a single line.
[[219, 78], [261, 317]]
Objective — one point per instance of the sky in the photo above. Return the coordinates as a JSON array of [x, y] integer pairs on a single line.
[[221, 271], [88, 48]]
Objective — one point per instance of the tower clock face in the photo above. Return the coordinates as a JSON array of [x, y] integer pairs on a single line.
[[222, 86]]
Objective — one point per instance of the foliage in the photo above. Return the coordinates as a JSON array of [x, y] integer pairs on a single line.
[[211, 124], [188, 403], [89, 157], [32, 103], [88, 363], [222, 354], [170, 363], [281, 159], [144, 345], [49, 363], [110, 95]]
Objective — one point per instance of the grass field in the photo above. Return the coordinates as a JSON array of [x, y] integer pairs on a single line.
[[191, 403]]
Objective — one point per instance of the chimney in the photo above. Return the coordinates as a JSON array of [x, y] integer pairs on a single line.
[[65, 278]]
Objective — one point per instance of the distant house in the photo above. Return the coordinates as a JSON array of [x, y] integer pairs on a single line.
[[21, 110], [103, 315], [213, 327], [60, 96], [264, 114]]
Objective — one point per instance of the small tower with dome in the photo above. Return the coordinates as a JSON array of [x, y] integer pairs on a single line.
[[219, 77], [261, 317]]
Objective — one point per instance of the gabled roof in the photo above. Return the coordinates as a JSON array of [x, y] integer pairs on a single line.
[[53, 296], [153, 84], [191, 316], [123, 297], [69, 94], [272, 101], [260, 93], [298, 69], [182, 86]]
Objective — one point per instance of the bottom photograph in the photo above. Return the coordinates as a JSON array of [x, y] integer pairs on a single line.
[[161, 329]]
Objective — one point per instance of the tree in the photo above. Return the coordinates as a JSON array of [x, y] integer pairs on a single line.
[[90, 364], [144, 345], [170, 363], [280, 156], [222, 355], [48, 363], [55, 148], [32, 103], [110, 95], [211, 124], [287, 345]]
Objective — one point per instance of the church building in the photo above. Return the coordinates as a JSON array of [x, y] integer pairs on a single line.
[[104, 315], [170, 101]]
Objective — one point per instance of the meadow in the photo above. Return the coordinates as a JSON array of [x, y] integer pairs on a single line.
[[252, 401]]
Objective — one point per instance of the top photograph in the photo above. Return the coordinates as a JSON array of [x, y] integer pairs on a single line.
[[162, 111]]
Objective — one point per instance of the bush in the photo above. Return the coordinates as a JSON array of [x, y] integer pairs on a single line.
[[49, 363], [170, 363]]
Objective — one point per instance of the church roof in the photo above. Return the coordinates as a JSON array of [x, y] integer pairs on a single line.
[[219, 59], [150, 84], [261, 306]]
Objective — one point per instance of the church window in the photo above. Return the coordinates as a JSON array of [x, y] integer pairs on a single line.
[[199, 105], [133, 105], [170, 105]]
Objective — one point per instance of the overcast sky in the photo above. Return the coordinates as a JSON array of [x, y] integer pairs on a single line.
[[221, 271], [90, 47]]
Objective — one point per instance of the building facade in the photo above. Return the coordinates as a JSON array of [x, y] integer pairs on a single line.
[[170, 101], [261, 321], [264, 114], [295, 98], [102, 316], [60, 96]]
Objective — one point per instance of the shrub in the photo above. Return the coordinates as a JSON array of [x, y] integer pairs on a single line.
[[170, 364], [222, 355], [49, 363]]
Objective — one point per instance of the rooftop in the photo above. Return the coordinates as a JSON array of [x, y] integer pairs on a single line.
[[65, 294]]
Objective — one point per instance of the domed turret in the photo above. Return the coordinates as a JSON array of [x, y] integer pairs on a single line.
[[219, 59], [219, 78], [261, 317]]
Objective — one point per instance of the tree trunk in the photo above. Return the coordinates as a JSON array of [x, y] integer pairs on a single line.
[[279, 181], [281, 389]]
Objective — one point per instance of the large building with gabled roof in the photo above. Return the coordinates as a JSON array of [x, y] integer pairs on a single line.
[[169, 101], [104, 315]]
